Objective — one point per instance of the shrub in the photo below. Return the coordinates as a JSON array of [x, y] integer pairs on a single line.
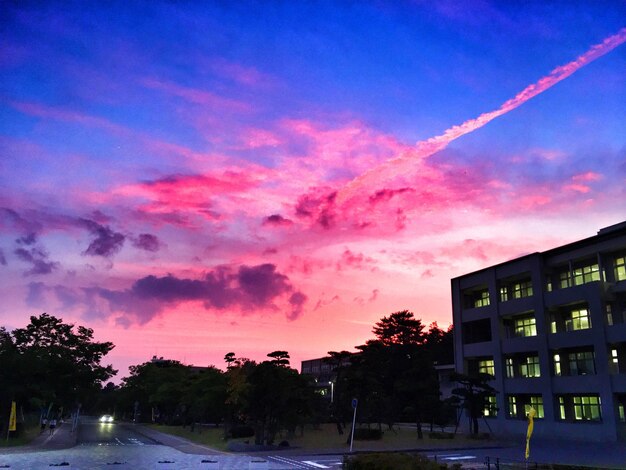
[[441, 435], [366, 434], [391, 461], [241, 431]]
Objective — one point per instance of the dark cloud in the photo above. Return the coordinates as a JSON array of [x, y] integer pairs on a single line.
[[107, 242], [384, 195], [247, 288], [148, 242], [3, 259], [38, 258], [321, 208], [276, 220], [28, 240], [13, 218]]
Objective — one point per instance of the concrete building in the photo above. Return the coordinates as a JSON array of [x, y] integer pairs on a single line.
[[550, 328]]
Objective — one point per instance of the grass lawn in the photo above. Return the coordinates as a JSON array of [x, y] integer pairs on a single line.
[[30, 432], [327, 438]]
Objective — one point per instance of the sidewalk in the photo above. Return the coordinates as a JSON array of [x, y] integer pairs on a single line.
[[63, 438]]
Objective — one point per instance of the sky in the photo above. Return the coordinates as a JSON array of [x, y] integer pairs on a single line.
[[194, 178]]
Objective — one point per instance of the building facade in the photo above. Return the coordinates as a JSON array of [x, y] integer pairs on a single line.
[[550, 328]]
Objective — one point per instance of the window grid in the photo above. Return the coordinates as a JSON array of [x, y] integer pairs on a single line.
[[620, 268], [486, 366], [564, 280], [561, 408], [614, 364], [557, 365], [510, 369], [582, 363], [586, 274], [530, 367], [504, 294], [522, 289], [512, 406], [526, 326], [481, 299], [490, 406], [587, 408], [578, 320]]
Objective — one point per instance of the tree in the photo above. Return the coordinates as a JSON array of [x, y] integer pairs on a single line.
[[399, 328], [473, 395], [51, 362]]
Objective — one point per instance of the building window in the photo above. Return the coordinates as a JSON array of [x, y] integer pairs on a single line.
[[579, 407], [609, 315], [486, 366], [510, 368], [586, 274], [587, 408], [564, 281], [581, 363], [620, 409], [512, 406], [481, 298], [536, 401], [490, 410], [557, 364], [530, 367], [504, 294], [620, 268], [477, 331], [525, 326], [578, 320], [522, 289], [614, 362]]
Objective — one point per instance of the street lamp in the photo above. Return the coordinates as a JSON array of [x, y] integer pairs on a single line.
[[332, 391]]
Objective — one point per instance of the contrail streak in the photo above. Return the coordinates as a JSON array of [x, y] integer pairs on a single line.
[[426, 148]]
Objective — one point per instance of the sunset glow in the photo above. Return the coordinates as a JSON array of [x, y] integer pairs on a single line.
[[193, 179]]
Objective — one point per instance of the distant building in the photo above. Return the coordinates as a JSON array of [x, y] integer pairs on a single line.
[[551, 329]]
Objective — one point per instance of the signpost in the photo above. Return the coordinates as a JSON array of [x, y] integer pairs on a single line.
[[355, 402]]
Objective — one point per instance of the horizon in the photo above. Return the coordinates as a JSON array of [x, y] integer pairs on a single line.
[[191, 180]]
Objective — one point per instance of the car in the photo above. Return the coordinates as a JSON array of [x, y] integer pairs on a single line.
[[106, 419]]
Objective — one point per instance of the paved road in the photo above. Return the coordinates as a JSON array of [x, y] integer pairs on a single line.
[[94, 433]]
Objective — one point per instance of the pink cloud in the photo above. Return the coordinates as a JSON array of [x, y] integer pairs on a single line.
[[588, 176], [245, 75]]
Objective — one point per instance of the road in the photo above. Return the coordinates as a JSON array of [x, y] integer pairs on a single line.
[[94, 433]]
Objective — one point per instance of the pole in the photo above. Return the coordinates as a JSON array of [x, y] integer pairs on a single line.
[[354, 405]]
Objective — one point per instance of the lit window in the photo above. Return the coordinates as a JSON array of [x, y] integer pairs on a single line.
[[557, 364], [512, 406], [530, 367], [510, 370], [525, 326], [481, 298], [549, 286], [614, 365], [578, 320], [486, 366], [504, 294], [536, 401], [586, 274], [490, 406], [522, 289], [581, 363], [620, 409], [561, 408], [587, 408], [620, 268], [564, 281]]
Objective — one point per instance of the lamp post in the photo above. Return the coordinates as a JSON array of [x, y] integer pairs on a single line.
[[332, 391]]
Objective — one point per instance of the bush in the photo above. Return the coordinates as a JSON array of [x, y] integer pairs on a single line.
[[441, 435], [366, 434], [390, 461], [241, 431]]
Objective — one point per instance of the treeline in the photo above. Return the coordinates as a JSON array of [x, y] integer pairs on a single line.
[[50, 365]]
